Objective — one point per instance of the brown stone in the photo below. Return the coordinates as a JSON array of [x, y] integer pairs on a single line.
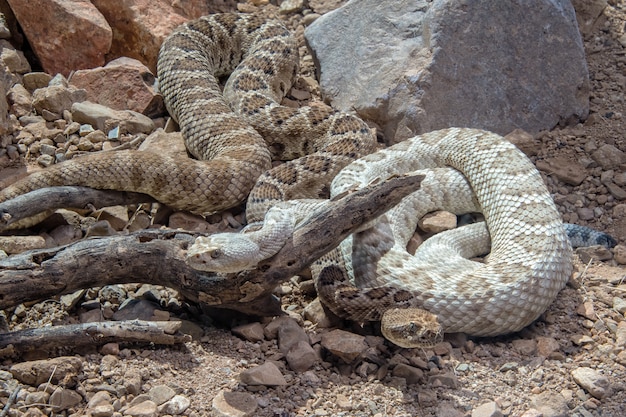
[[139, 27], [266, 374], [345, 345], [65, 35], [240, 404], [524, 141], [546, 346], [55, 370], [565, 169], [123, 84]]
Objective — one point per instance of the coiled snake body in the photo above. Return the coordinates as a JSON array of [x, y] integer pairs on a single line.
[[372, 277]]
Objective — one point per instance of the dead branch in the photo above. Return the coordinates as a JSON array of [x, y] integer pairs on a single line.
[[97, 333], [158, 257], [46, 199]]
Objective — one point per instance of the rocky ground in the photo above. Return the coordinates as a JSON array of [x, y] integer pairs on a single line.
[[571, 362]]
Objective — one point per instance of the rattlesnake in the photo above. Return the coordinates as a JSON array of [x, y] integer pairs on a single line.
[[530, 257], [372, 277], [262, 57]]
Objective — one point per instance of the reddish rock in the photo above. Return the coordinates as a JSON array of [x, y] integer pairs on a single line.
[[123, 84], [64, 34], [139, 27]]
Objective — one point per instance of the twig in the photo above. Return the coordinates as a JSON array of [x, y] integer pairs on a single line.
[[10, 401]]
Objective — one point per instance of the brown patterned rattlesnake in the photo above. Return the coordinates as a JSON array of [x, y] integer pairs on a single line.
[[263, 59]]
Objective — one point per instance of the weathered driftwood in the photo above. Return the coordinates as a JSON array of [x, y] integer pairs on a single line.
[[46, 199], [98, 333], [158, 257]]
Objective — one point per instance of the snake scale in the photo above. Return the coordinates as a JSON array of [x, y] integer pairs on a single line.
[[370, 276]]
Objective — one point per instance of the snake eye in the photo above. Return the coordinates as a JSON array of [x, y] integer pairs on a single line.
[[216, 253]]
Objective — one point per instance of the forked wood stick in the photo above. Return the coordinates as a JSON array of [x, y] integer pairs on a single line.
[[158, 257]]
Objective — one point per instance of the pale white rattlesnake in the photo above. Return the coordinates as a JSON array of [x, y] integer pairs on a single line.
[[372, 277]]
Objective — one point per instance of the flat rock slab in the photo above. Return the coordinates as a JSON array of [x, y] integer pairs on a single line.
[[417, 66]]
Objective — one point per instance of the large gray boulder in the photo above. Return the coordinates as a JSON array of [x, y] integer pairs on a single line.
[[417, 66]]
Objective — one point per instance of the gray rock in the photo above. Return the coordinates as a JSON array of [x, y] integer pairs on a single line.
[[176, 405], [566, 170], [143, 409], [35, 80], [100, 228], [317, 314], [65, 234], [19, 244], [102, 410], [446, 380], [132, 382], [490, 409], [62, 399], [56, 99], [411, 374], [48, 149], [592, 381], [620, 254], [289, 334], [266, 374], [99, 398], [137, 310], [37, 397], [291, 6], [550, 404], [585, 213], [21, 100], [596, 252], [161, 393], [252, 332], [620, 335], [14, 60], [233, 404], [5, 83], [105, 118], [419, 67], [616, 191], [301, 356], [609, 157], [588, 14], [85, 129], [619, 305]]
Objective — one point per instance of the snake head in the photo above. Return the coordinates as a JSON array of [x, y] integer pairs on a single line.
[[222, 252], [411, 327]]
